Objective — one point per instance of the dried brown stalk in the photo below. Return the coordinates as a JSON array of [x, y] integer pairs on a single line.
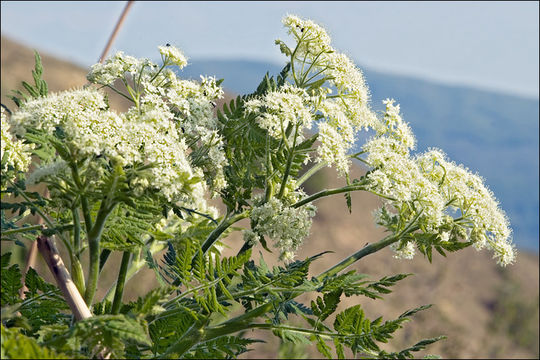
[[73, 297], [115, 31], [48, 250]]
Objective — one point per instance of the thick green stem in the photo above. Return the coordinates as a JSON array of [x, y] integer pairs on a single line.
[[137, 263], [76, 231], [288, 167], [120, 283], [369, 249], [86, 214], [94, 237]]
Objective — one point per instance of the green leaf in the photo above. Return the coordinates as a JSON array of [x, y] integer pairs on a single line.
[[35, 283], [18, 346], [414, 311], [34, 93], [323, 348], [166, 331], [223, 347], [339, 349], [11, 283], [110, 333], [325, 306], [5, 260]]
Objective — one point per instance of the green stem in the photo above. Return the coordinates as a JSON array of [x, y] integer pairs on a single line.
[[312, 171], [289, 163], [309, 69], [269, 190], [191, 337], [120, 283], [193, 291], [370, 249], [306, 82], [319, 166], [159, 71], [136, 265], [293, 55], [214, 235], [22, 229], [322, 193], [120, 93], [76, 231], [94, 237], [84, 200]]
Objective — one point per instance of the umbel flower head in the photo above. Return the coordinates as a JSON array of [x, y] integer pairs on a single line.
[[342, 101], [435, 189], [325, 86], [285, 226], [171, 120]]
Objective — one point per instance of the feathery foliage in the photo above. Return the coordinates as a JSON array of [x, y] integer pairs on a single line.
[[139, 184]]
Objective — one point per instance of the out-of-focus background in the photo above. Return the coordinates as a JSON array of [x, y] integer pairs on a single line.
[[465, 74]]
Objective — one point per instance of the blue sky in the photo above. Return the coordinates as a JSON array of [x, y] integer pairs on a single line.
[[490, 45]]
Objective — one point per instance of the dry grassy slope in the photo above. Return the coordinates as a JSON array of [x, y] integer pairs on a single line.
[[18, 63], [472, 295]]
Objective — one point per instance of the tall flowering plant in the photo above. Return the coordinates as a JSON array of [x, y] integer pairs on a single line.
[[139, 183]]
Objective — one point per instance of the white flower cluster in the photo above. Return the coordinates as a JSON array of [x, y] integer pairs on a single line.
[[116, 67], [166, 99], [406, 252], [285, 226], [343, 99], [13, 153], [312, 38], [170, 121], [277, 110], [193, 104], [130, 138], [433, 187], [173, 54], [466, 192]]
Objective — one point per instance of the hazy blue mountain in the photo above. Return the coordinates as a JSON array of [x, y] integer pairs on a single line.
[[494, 134]]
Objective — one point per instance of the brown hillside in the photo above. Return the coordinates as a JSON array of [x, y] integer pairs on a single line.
[[486, 311]]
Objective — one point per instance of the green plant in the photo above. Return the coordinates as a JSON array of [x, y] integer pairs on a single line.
[[138, 183]]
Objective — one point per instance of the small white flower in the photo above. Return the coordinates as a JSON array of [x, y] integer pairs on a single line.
[[407, 252], [285, 226], [277, 110], [173, 55]]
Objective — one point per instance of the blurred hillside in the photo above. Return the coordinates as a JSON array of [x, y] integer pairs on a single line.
[[486, 311]]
